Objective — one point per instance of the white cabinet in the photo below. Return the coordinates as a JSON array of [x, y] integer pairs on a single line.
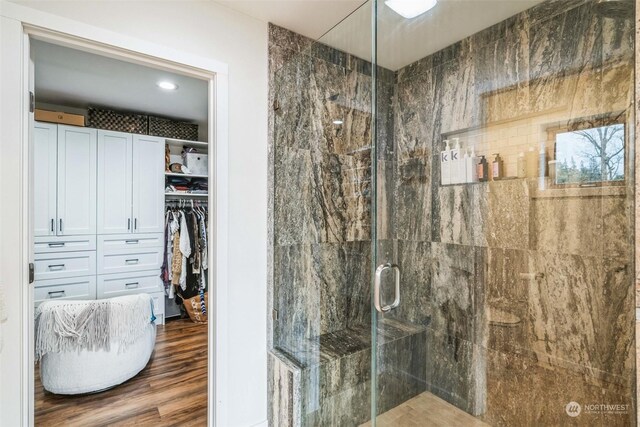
[[76, 288], [64, 180], [67, 264], [45, 159], [114, 182], [148, 184], [114, 285], [77, 148], [130, 183], [98, 214]]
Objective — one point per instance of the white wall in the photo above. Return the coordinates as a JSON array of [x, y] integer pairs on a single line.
[[10, 222], [212, 31]]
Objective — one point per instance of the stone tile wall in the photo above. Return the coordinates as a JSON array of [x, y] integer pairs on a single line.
[[522, 293]]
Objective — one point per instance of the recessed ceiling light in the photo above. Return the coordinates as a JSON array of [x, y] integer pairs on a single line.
[[167, 85], [337, 122], [411, 8]]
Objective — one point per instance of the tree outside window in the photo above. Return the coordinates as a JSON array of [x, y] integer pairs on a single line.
[[590, 155]]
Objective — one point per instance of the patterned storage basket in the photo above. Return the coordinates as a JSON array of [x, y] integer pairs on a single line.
[[195, 309], [172, 129], [117, 121]]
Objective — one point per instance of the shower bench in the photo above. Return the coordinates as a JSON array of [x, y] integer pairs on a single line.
[[327, 379]]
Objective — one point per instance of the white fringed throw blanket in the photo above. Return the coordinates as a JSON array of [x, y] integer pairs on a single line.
[[63, 326]]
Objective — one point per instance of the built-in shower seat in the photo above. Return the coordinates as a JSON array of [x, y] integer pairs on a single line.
[[326, 380]]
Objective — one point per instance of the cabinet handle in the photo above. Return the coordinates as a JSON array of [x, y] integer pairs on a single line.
[[56, 245], [131, 242], [61, 225], [53, 225], [135, 224], [132, 261], [131, 285], [129, 224], [56, 294], [56, 267]]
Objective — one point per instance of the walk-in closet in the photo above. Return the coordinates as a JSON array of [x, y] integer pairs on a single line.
[[121, 241]]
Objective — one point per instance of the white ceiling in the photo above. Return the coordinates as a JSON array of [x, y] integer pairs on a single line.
[[311, 18], [78, 79], [400, 41]]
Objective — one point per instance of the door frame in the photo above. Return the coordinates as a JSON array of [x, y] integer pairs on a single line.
[[62, 31]]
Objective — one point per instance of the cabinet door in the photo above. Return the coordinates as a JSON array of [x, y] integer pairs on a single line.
[[45, 145], [77, 162], [148, 184], [115, 164]]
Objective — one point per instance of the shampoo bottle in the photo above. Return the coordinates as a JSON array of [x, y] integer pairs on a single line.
[[445, 164], [542, 166], [465, 161], [471, 170], [483, 169], [542, 160], [532, 163], [497, 168], [522, 165], [456, 160]]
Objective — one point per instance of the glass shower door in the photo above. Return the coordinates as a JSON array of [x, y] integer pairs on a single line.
[[502, 276]]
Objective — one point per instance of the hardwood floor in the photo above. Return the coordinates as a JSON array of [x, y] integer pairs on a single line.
[[171, 390], [426, 410]]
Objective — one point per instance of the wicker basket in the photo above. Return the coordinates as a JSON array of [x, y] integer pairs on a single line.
[[193, 307], [167, 128], [118, 121]]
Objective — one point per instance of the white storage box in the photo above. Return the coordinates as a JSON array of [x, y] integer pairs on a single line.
[[197, 163]]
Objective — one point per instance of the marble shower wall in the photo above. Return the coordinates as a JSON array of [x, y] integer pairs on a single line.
[[516, 298], [320, 359], [527, 290], [322, 187]]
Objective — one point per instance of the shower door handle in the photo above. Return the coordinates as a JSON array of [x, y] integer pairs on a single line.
[[376, 288]]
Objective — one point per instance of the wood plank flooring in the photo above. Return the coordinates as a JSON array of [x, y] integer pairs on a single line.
[[171, 390], [426, 410]]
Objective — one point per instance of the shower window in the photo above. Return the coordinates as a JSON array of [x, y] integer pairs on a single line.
[[590, 155]]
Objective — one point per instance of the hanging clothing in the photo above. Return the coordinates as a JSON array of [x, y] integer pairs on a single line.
[[185, 249], [185, 265]]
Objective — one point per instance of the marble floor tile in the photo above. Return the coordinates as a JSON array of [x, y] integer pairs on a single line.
[[426, 410]]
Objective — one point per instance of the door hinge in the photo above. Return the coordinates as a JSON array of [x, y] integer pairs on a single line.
[[274, 314], [31, 272], [32, 102]]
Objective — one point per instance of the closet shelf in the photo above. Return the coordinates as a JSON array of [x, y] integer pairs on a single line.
[[185, 175], [177, 194], [186, 143]]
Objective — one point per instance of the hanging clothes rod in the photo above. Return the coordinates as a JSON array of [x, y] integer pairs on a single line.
[[185, 202], [186, 195]]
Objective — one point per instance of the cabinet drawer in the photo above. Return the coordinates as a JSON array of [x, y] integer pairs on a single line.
[[66, 264], [54, 244], [127, 242], [115, 285], [77, 288], [126, 261]]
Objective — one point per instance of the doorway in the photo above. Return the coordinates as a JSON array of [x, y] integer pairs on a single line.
[[128, 50]]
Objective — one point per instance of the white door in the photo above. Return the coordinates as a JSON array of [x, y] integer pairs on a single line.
[[77, 162], [45, 144], [148, 184], [115, 152]]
